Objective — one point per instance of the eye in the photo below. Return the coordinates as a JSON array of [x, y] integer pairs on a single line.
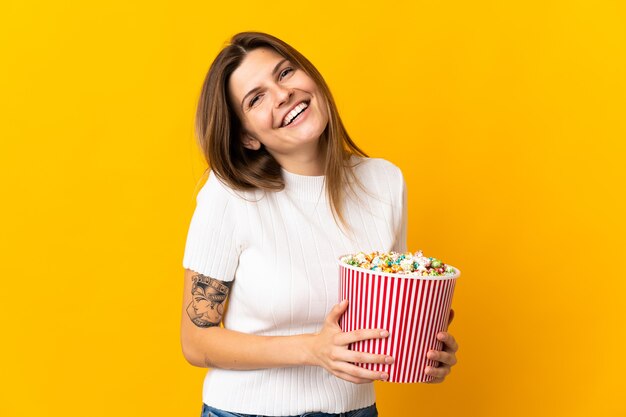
[[253, 101], [285, 72]]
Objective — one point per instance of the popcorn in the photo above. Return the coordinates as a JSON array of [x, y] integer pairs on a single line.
[[407, 265], [410, 264]]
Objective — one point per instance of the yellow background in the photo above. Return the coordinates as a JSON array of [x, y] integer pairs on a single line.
[[507, 118]]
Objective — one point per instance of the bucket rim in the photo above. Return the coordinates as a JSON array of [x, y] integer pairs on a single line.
[[394, 275]]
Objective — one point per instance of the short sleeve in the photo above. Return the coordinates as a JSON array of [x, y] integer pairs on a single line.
[[213, 247], [401, 216]]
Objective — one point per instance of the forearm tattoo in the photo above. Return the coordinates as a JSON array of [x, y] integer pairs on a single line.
[[208, 296]]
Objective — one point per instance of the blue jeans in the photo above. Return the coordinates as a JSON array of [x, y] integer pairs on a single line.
[[370, 411]]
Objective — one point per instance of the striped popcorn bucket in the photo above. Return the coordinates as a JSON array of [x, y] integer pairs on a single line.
[[412, 309]]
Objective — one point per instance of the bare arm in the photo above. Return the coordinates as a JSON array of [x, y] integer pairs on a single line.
[[205, 344]]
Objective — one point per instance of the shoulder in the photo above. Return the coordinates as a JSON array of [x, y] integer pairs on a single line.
[[216, 190], [380, 178], [376, 166], [212, 187]]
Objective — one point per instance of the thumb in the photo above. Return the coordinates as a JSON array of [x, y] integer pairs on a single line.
[[450, 317], [336, 312]]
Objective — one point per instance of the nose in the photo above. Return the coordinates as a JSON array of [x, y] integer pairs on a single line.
[[283, 94]]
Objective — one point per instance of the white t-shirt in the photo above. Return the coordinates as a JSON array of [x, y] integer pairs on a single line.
[[281, 251]]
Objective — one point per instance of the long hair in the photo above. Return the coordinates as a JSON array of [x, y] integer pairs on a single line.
[[219, 131]]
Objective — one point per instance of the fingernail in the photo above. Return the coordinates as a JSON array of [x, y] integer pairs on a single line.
[[428, 369], [384, 333], [431, 355], [389, 360], [384, 377]]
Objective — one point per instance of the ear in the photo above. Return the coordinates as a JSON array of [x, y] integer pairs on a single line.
[[250, 142]]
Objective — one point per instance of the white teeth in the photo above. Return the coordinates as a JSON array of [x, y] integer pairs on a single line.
[[296, 111]]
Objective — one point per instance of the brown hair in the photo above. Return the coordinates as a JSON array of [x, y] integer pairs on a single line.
[[219, 133]]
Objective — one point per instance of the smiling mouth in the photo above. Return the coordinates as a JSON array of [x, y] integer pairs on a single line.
[[295, 113]]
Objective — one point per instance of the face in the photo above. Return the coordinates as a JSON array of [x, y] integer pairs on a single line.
[[279, 106]]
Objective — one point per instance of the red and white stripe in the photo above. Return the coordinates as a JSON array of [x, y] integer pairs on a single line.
[[412, 309]]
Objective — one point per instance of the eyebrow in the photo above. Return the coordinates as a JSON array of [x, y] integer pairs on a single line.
[[254, 90]]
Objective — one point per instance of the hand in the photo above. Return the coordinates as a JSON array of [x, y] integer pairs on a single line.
[[446, 358], [330, 349]]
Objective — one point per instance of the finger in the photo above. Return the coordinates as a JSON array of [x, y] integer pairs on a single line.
[[451, 316], [336, 312], [443, 357], [440, 372], [435, 381], [361, 373], [363, 357], [351, 378], [449, 341], [346, 338]]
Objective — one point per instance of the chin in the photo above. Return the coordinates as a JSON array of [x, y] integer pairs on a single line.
[[314, 132]]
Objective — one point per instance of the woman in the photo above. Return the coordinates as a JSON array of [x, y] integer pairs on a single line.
[[287, 194]]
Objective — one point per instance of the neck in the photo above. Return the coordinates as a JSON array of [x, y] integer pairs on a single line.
[[310, 163]]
